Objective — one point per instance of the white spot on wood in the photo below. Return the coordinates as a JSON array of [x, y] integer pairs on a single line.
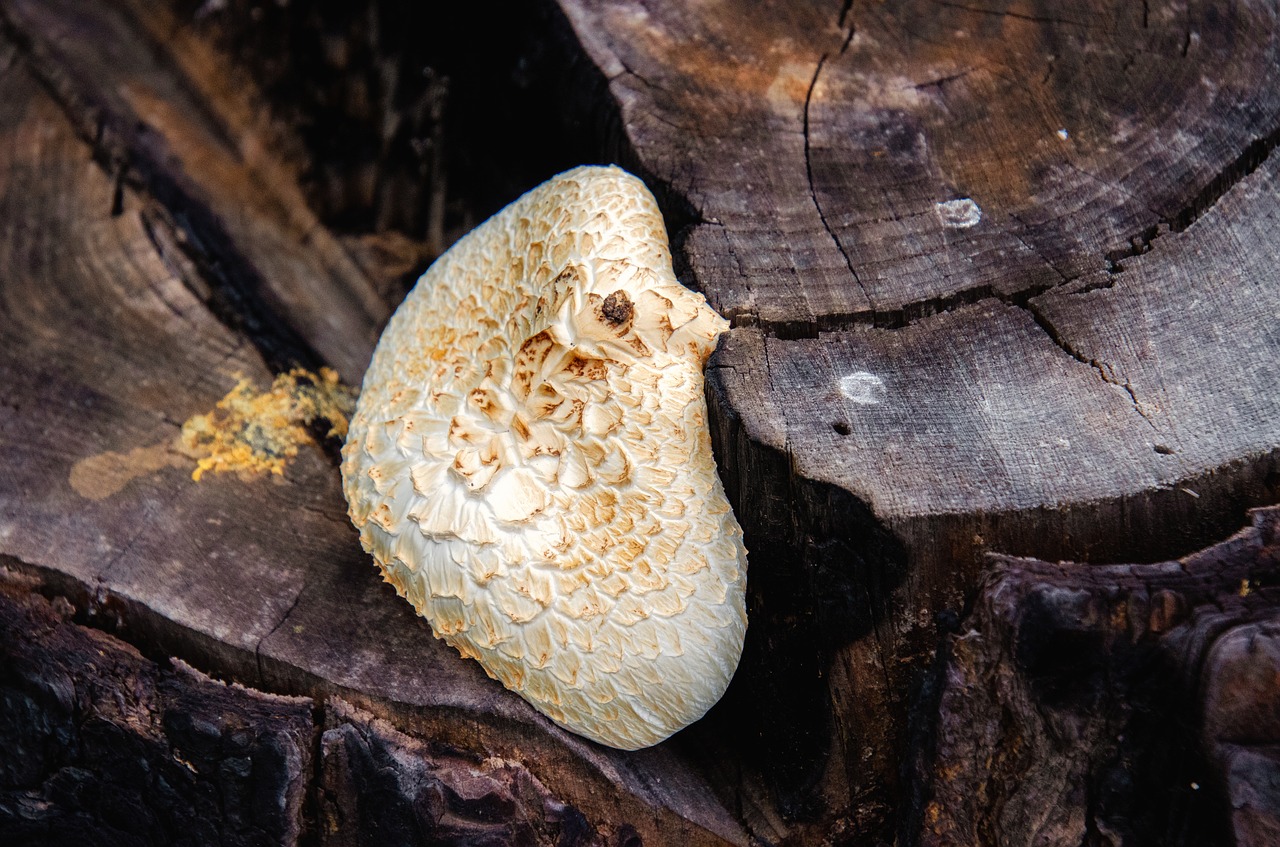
[[863, 387], [959, 214], [1063, 134]]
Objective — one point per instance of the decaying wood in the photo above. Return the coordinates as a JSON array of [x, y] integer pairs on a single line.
[[1002, 276], [1122, 704], [107, 352], [107, 747], [1002, 279], [103, 746]]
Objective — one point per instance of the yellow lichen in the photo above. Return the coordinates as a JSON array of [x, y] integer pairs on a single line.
[[254, 432]]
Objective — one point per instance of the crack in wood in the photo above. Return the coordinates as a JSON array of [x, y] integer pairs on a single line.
[[212, 277], [1017, 16], [808, 168], [808, 156], [1250, 159], [139, 159], [257, 648], [890, 319], [1105, 371]]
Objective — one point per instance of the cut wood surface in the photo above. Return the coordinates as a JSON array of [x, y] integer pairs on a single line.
[[1002, 278]]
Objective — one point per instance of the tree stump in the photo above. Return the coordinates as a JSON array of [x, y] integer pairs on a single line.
[[1001, 279], [1114, 704]]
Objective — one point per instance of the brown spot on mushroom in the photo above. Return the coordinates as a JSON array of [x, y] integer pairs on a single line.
[[617, 308], [587, 367]]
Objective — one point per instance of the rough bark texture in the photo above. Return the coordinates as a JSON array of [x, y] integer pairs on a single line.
[[1002, 279], [1121, 704], [103, 746]]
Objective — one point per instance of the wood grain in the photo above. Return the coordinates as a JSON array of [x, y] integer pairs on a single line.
[[279, 275], [1000, 276], [260, 580]]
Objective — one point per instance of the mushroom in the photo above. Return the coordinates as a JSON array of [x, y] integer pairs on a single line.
[[529, 464]]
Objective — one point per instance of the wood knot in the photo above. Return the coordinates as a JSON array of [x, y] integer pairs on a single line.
[[617, 308]]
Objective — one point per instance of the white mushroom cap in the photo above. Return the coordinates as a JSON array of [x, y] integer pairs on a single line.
[[530, 466]]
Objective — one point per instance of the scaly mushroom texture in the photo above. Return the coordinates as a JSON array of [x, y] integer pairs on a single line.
[[530, 466]]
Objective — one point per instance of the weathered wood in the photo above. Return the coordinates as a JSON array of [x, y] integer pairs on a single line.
[[1129, 703], [379, 786], [103, 746], [106, 351], [1076, 363], [271, 268], [1001, 278]]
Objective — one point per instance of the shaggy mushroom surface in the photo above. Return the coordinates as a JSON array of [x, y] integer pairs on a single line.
[[529, 464]]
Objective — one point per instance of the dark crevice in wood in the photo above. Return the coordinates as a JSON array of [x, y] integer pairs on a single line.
[[1106, 687], [257, 649], [822, 569], [844, 15], [8, 57], [1006, 13], [1249, 160], [117, 190], [808, 166], [160, 52], [427, 120], [808, 155], [1138, 245], [142, 628], [940, 82], [1254, 155], [917, 770], [883, 319], [1105, 371], [313, 800]]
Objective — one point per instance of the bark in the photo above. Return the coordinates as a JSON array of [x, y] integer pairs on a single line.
[[1119, 704]]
